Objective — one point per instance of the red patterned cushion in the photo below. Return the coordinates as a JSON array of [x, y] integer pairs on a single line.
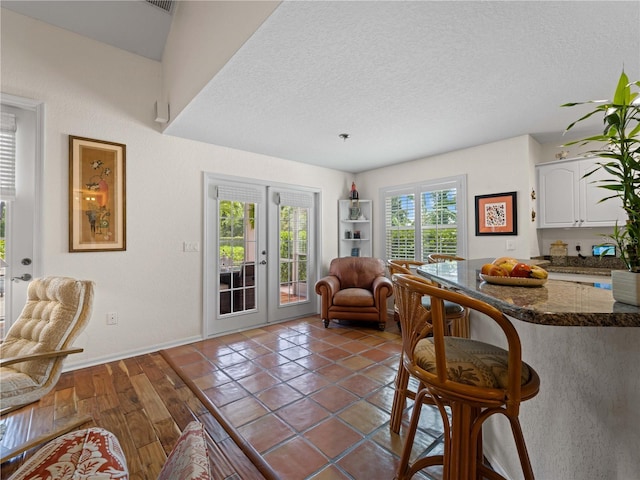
[[188, 460], [82, 454]]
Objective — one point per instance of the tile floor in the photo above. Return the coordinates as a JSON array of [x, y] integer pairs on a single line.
[[314, 402]]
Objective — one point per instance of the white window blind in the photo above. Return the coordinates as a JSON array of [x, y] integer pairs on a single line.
[[424, 218], [7, 156]]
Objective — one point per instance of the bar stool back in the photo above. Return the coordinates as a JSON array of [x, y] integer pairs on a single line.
[[474, 379]]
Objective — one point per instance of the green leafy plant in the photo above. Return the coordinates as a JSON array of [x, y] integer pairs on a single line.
[[619, 148]]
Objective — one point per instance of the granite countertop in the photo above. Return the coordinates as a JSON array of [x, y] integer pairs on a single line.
[[558, 302]]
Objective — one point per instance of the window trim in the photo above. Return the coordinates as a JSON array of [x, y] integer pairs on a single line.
[[459, 182]]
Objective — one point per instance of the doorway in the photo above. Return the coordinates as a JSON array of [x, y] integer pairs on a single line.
[[260, 253], [20, 202]]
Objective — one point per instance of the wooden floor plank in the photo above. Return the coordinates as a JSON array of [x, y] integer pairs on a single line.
[[144, 402]]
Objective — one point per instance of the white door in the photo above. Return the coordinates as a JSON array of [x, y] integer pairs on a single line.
[[292, 243], [259, 254], [20, 213]]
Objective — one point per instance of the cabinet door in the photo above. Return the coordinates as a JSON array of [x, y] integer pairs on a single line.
[[593, 212], [558, 193]]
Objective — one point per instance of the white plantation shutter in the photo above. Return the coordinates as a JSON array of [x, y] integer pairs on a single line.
[[7, 156], [424, 218]]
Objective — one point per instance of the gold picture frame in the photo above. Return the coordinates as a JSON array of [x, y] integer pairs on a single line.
[[97, 203]]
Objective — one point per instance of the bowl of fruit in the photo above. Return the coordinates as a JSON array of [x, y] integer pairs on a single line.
[[512, 272]]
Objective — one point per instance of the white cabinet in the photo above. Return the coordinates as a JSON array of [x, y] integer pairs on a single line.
[[354, 229], [566, 199]]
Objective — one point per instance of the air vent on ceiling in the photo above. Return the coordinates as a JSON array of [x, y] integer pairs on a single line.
[[166, 5]]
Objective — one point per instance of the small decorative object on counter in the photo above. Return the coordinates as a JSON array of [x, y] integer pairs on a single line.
[[558, 252]]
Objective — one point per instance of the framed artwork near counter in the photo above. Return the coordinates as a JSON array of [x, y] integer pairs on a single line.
[[496, 214], [97, 220]]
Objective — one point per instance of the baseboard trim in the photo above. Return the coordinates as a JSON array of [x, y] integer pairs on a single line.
[[70, 366]]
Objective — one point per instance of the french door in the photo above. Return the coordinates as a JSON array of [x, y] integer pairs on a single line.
[[20, 238], [259, 254]]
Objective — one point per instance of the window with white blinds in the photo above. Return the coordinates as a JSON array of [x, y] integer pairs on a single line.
[[7, 156], [425, 218]]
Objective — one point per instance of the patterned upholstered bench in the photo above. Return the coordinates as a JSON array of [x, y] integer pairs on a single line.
[[95, 453]]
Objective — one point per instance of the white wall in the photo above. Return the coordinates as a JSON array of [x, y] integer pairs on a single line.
[[97, 91], [211, 33], [498, 167]]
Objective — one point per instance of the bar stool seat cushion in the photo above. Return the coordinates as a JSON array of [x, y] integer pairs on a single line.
[[450, 308], [469, 362]]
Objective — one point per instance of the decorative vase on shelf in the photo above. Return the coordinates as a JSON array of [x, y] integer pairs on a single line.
[[625, 286]]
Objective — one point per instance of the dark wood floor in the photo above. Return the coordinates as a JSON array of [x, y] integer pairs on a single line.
[[143, 402]]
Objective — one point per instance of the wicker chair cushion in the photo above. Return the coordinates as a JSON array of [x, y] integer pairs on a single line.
[[450, 308], [469, 362]]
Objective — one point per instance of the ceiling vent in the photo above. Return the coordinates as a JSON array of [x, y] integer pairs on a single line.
[[166, 5]]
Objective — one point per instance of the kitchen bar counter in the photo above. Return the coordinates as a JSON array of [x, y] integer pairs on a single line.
[[558, 302], [585, 421]]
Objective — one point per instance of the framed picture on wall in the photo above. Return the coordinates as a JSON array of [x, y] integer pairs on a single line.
[[97, 204], [496, 214]]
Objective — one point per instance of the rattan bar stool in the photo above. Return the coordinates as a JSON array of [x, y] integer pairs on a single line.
[[475, 380], [455, 313]]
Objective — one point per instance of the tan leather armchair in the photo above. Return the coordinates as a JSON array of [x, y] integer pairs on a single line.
[[355, 289]]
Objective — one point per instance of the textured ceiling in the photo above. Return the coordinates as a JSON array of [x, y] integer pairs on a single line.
[[409, 80]]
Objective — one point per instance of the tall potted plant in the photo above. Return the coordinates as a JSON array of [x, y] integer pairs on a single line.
[[618, 147]]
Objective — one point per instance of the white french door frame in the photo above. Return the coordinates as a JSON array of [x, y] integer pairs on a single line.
[[24, 230], [269, 311]]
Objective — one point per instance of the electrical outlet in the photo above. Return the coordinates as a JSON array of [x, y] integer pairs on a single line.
[[578, 246], [511, 244], [190, 247], [112, 318]]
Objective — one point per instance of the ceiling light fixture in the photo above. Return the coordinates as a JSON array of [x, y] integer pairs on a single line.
[[344, 136]]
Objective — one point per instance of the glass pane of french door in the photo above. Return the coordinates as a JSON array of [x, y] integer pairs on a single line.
[[237, 255], [294, 250]]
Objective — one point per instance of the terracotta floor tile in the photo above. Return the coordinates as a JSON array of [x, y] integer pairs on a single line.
[[287, 371], [270, 360], [314, 401], [295, 353], [303, 414], [243, 411], [313, 361], [295, 459], [334, 398], [332, 437], [354, 346], [226, 361], [375, 354], [230, 392], [334, 372], [356, 363], [212, 379], [258, 382], [336, 353], [198, 369], [380, 373], [330, 473], [360, 385], [383, 398], [308, 383], [364, 416], [279, 396], [242, 370], [254, 432], [369, 461]]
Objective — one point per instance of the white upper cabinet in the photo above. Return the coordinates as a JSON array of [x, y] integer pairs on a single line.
[[566, 199]]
